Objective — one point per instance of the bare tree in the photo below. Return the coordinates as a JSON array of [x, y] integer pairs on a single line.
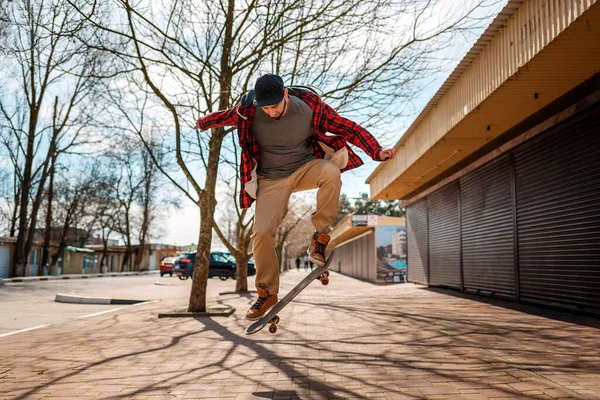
[[147, 200], [44, 100], [129, 116], [72, 211], [127, 186], [106, 210], [46, 267], [197, 57]]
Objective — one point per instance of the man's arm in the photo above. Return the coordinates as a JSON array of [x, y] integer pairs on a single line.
[[356, 135], [218, 119]]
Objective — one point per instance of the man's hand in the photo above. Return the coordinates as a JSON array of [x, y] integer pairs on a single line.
[[387, 154]]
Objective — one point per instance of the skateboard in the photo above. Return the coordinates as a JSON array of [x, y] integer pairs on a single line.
[[271, 318]]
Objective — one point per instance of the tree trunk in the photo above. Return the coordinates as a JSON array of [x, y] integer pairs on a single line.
[[207, 197], [241, 283], [17, 200], [128, 248], [104, 254], [207, 219], [54, 257], [126, 258], [21, 253], [241, 262], [46, 251], [281, 238]]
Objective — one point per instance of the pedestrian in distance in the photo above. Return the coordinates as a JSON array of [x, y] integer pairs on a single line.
[[285, 148], [306, 262], [312, 265], [298, 263]]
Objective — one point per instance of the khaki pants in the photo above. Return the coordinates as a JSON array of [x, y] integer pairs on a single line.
[[272, 199]]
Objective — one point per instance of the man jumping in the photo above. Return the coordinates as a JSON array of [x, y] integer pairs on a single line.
[[285, 149]]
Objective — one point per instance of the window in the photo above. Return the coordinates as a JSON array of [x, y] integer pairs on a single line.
[[34, 257], [90, 261], [218, 257]]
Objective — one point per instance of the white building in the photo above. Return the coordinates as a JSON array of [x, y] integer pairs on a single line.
[[399, 243]]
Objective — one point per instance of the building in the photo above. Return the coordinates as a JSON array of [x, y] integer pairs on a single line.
[[7, 252], [500, 172], [151, 256], [85, 260], [399, 243], [364, 248]]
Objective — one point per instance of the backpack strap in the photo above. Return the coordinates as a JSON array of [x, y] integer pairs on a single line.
[[302, 89]]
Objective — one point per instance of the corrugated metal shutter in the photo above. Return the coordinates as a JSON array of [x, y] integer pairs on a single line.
[[417, 243], [558, 213], [357, 258], [444, 236], [487, 229], [371, 259]]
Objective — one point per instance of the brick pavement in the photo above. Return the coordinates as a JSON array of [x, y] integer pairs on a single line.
[[351, 339]]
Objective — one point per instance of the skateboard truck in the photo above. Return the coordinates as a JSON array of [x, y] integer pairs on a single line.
[[274, 321], [324, 278]]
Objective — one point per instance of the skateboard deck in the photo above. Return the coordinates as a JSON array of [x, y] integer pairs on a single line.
[[271, 317]]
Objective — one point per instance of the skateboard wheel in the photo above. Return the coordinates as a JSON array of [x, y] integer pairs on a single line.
[[273, 328], [274, 320], [325, 274], [325, 281]]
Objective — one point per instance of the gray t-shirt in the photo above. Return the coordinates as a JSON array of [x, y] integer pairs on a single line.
[[285, 144]]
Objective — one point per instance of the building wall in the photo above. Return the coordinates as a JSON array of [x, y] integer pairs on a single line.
[[113, 262], [33, 267], [6, 256], [357, 258], [72, 262], [528, 220]]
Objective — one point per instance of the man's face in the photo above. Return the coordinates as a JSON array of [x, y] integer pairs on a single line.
[[276, 110]]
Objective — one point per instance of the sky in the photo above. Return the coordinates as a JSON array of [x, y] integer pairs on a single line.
[[182, 226]]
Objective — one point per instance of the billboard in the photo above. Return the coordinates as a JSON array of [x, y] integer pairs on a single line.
[[391, 253]]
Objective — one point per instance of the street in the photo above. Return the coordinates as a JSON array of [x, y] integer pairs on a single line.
[[31, 304], [349, 339]]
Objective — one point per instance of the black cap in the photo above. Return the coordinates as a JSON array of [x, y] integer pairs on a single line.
[[268, 90]]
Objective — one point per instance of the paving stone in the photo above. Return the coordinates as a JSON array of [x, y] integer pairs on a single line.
[[436, 345]]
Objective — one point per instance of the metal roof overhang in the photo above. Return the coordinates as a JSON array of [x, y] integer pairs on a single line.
[[344, 231], [79, 249], [537, 55]]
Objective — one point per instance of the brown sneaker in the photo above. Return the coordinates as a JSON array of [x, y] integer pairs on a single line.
[[262, 305], [316, 250]]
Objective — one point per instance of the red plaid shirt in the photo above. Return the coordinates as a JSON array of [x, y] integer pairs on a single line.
[[324, 120]]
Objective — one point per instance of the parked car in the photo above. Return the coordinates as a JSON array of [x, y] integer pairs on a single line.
[[167, 265], [222, 265]]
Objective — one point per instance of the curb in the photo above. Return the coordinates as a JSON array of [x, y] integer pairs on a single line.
[[223, 311], [70, 298], [238, 293], [25, 279]]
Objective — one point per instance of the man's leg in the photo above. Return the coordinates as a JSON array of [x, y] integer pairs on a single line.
[[272, 198], [326, 176], [271, 201]]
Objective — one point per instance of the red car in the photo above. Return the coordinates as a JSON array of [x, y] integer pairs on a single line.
[[166, 266]]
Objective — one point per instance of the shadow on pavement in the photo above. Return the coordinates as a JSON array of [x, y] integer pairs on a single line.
[[573, 317], [350, 344]]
